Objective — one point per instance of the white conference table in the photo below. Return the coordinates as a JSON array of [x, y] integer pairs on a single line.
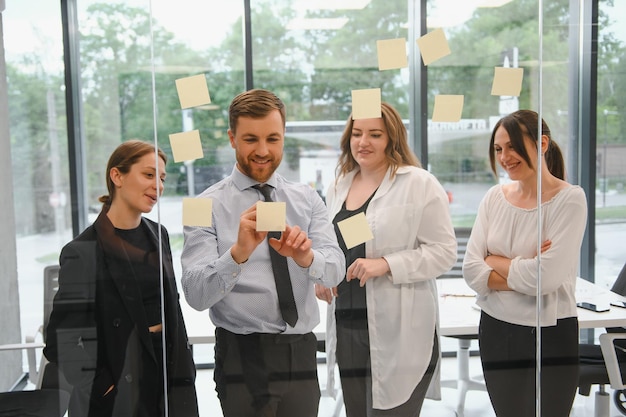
[[458, 312], [459, 316]]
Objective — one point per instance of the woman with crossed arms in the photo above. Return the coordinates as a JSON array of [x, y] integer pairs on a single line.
[[501, 266]]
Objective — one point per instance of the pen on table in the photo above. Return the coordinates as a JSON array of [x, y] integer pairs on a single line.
[[458, 295]]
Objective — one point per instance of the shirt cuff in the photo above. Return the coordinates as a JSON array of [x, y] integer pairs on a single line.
[[316, 269], [228, 269]]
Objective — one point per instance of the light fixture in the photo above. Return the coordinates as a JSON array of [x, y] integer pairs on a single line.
[[492, 3], [451, 13], [334, 4], [302, 23]]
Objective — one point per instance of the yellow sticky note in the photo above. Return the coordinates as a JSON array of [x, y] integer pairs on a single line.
[[271, 216], [355, 230], [448, 108], [433, 46], [193, 91], [186, 146], [197, 212], [392, 54], [366, 103], [507, 81]]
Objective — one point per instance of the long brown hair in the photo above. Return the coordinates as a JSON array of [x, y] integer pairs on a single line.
[[398, 153], [524, 123], [123, 158]]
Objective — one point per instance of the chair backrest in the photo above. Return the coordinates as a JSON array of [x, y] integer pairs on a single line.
[[49, 376], [462, 236], [619, 286], [50, 288]]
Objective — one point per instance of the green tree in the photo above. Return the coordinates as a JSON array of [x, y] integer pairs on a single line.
[[35, 97], [346, 59], [120, 47], [611, 81]]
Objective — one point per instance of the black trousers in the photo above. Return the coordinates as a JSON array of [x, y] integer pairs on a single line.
[[353, 360], [507, 353], [269, 375]]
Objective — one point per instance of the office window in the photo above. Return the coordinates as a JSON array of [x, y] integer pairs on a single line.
[[312, 54], [610, 256], [126, 46], [480, 39], [33, 45]]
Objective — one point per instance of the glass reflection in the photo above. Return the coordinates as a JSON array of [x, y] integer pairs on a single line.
[[116, 329], [316, 67], [507, 271]]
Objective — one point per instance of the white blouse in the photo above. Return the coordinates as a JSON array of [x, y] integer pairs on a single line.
[[409, 217], [506, 230]]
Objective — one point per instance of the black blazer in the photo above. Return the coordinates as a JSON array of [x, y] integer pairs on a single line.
[[98, 332]]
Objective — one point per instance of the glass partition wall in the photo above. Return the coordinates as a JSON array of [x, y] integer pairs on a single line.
[[312, 55]]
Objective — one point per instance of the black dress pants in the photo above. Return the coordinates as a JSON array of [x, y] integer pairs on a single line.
[[508, 356], [269, 375]]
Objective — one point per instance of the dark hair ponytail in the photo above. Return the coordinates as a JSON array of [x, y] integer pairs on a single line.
[[554, 160]]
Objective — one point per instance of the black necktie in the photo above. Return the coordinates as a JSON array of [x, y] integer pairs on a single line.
[[281, 273]]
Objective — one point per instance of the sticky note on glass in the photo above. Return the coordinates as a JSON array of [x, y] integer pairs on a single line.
[[433, 46], [355, 230], [197, 212], [392, 54], [186, 146], [448, 108], [366, 103], [193, 91], [270, 216], [507, 81]]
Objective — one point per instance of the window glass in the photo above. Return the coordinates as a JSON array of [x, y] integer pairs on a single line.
[[610, 256], [33, 50], [312, 55], [132, 54], [458, 152]]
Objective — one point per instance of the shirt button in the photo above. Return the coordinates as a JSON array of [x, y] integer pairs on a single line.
[[116, 323], [128, 378]]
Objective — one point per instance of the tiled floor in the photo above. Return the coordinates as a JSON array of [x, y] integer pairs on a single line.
[[476, 404]]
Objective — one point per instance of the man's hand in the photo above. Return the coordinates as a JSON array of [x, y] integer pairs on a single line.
[[325, 294], [247, 238], [294, 243]]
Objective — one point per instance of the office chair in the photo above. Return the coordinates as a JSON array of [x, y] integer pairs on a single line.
[[46, 400], [51, 395], [606, 363]]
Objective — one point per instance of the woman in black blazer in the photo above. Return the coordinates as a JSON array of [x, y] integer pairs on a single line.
[[115, 322]]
